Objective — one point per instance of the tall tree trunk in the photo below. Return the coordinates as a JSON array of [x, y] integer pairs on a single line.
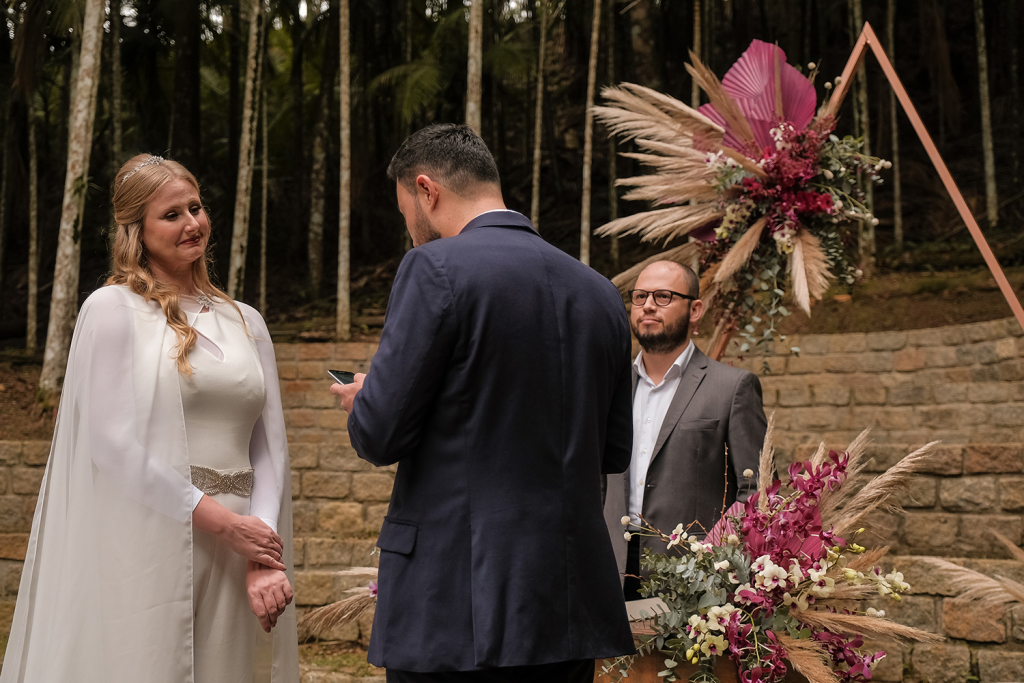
[[298, 153], [5, 165], [538, 121], [32, 320], [318, 169], [863, 122], [474, 80], [991, 193], [343, 326], [246, 149], [185, 145], [588, 135], [117, 142], [263, 202], [232, 27], [697, 45], [64, 297], [1013, 30], [897, 185], [613, 157], [645, 65], [406, 237]]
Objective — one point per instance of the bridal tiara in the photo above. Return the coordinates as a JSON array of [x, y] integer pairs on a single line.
[[148, 162]]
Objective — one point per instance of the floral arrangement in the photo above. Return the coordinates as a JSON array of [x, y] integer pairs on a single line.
[[762, 184], [775, 584]]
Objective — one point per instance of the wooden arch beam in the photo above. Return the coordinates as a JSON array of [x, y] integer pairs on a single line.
[[869, 39]]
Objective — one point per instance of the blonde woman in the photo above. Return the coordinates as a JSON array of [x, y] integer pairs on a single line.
[[161, 544]]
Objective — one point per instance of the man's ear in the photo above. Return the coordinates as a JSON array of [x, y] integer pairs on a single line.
[[696, 311], [428, 190]]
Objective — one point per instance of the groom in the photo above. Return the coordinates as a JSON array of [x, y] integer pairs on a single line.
[[502, 390]]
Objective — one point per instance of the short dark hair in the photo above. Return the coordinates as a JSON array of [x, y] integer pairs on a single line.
[[451, 154]]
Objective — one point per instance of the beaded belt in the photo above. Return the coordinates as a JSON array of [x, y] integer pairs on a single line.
[[211, 482]]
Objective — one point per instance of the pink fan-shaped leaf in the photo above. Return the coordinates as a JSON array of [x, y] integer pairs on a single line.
[[751, 83]]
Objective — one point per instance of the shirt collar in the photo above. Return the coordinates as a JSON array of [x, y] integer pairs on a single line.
[[678, 365]]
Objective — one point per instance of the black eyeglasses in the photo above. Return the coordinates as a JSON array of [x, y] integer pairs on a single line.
[[662, 297]]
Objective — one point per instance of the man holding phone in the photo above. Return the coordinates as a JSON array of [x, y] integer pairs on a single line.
[[502, 388]]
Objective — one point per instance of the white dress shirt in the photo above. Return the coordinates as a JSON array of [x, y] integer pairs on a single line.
[[650, 404]]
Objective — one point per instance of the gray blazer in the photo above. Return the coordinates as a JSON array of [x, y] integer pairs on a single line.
[[713, 431]]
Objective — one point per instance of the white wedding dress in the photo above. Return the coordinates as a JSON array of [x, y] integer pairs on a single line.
[[117, 586]]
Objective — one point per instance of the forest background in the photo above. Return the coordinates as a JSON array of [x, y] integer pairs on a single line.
[[240, 88]]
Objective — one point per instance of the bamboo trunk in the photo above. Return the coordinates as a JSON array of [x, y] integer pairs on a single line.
[[588, 135], [474, 80], [343, 323], [64, 297], [32, 318], [265, 162], [117, 144], [246, 150], [991, 192], [538, 122], [613, 192], [897, 189]]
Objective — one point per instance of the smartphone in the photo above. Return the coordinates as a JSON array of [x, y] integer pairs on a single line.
[[342, 376]]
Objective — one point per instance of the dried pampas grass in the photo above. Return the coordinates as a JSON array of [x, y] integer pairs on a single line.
[[724, 104], [808, 658], [766, 468], [874, 627], [1014, 551], [741, 251], [318, 622], [880, 492], [973, 586]]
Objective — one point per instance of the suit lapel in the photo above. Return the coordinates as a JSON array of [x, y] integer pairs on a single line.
[[693, 375]]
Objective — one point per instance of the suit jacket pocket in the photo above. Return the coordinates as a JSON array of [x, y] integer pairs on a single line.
[[397, 536]]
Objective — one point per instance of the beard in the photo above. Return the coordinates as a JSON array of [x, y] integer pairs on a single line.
[[423, 230], [671, 336]]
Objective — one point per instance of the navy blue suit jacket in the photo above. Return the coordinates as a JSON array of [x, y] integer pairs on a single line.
[[502, 388]]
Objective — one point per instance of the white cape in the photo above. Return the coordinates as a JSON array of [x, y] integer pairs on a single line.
[[106, 590]]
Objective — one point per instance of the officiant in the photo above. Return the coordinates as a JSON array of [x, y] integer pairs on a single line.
[[698, 425]]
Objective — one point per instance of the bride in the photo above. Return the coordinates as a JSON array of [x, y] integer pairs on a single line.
[[161, 546]]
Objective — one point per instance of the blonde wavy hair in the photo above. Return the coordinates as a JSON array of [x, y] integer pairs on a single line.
[[134, 185]]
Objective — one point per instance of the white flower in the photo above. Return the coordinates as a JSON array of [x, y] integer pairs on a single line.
[[733, 577], [811, 65], [771, 575], [713, 645], [625, 520], [627, 535], [748, 473], [732, 539], [800, 601], [872, 612], [829, 174], [738, 593], [795, 572], [719, 566], [718, 616], [896, 579], [823, 587]]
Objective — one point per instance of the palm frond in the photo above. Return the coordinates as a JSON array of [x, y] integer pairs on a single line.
[[724, 104]]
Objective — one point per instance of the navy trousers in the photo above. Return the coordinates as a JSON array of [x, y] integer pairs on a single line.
[[580, 671]]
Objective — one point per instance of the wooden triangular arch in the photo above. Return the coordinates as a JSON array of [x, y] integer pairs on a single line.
[[869, 39]]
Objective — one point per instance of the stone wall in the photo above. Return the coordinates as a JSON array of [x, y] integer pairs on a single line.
[[962, 385]]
